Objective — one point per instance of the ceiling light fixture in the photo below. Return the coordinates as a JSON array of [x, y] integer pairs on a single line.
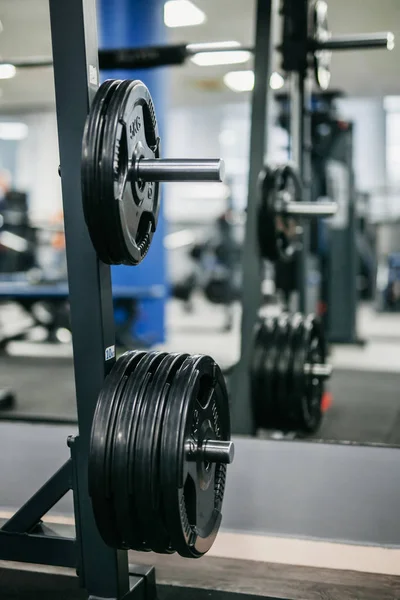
[[208, 57], [7, 71], [182, 13], [239, 81], [13, 130], [276, 81], [243, 81]]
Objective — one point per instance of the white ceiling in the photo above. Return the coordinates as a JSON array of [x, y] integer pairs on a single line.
[[369, 73]]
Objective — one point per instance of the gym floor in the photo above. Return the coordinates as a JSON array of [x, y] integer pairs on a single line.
[[365, 406], [364, 409]]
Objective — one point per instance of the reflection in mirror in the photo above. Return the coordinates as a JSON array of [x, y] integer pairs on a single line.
[[352, 284], [188, 295]]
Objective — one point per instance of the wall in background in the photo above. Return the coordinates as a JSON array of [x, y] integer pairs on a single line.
[[369, 117], [199, 131], [37, 164]]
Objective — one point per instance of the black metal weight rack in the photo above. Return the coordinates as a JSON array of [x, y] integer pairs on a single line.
[[306, 42], [102, 570], [241, 413]]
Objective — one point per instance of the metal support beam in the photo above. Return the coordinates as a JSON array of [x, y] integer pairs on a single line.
[[241, 413], [300, 134], [29, 515], [38, 549], [104, 571]]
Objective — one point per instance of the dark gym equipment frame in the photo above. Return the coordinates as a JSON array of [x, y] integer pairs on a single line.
[[241, 410], [103, 571]]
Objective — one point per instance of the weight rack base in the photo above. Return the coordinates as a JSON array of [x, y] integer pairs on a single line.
[[226, 579]]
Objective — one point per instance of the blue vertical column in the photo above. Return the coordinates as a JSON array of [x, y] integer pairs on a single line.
[[129, 24]]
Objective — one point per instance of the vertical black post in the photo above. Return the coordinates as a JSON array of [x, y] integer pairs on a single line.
[[241, 413], [343, 256], [300, 133], [76, 74]]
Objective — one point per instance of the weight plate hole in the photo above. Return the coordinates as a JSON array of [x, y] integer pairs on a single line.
[[189, 493], [205, 388]]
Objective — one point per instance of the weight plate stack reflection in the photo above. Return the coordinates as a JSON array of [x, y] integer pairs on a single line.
[[287, 372]]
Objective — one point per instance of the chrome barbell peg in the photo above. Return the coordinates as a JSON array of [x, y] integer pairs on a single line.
[[179, 170], [361, 41], [213, 451], [285, 206], [321, 371]]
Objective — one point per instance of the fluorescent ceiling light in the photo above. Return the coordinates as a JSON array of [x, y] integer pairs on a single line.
[[182, 13], [13, 131], [231, 57], [276, 81], [239, 81], [390, 41], [7, 71], [243, 81], [391, 103]]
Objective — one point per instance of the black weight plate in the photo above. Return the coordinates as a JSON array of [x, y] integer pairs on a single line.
[[130, 134], [256, 364], [219, 288], [197, 408], [267, 406], [277, 232], [320, 33], [109, 211], [91, 143], [263, 332], [288, 182], [312, 410], [147, 450], [279, 381], [127, 520], [266, 227], [101, 445], [108, 235], [297, 331], [284, 369], [307, 393]]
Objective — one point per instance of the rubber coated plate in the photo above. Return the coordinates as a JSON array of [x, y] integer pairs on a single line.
[[193, 490], [131, 134], [267, 233], [284, 369], [262, 339], [307, 390], [277, 232], [296, 332], [101, 446], [148, 455], [278, 377], [312, 410], [90, 167], [121, 128], [320, 33], [256, 367], [129, 414]]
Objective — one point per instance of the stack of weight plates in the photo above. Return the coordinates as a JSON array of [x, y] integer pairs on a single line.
[[286, 395], [147, 493]]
